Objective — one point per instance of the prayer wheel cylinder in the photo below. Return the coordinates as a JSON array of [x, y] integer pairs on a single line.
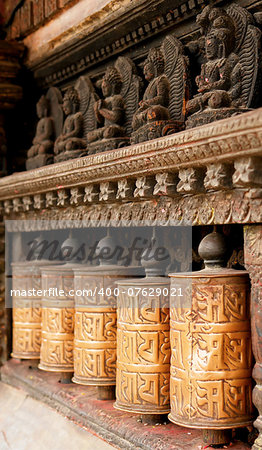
[[27, 314], [96, 324], [57, 346], [211, 357], [143, 347]]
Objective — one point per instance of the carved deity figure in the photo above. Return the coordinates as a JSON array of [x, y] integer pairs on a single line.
[[228, 79], [71, 138], [219, 84], [43, 140], [154, 105], [162, 109], [109, 111]]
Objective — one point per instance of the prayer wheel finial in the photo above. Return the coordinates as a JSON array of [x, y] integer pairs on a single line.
[[212, 249]]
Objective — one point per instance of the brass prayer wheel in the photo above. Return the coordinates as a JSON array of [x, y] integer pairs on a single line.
[[96, 324], [26, 281], [143, 347], [211, 358], [57, 346]]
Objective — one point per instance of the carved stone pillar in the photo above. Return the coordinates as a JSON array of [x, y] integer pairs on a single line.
[[253, 263]]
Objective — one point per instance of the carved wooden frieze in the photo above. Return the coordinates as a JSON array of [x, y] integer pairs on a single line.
[[96, 121], [165, 184], [143, 350], [203, 209], [211, 362]]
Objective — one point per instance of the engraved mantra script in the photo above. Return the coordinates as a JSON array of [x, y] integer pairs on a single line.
[[26, 313], [143, 358], [211, 358], [57, 324], [95, 327]]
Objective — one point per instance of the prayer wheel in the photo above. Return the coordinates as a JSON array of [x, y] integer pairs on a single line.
[[27, 315], [211, 358], [96, 321], [57, 346], [96, 325], [143, 348]]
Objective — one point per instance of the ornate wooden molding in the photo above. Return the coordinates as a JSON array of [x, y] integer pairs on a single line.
[[85, 46], [88, 49], [222, 141], [86, 188], [209, 209]]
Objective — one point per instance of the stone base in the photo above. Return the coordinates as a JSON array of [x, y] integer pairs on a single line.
[[106, 392], [154, 130], [211, 426], [107, 144], [65, 156], [80, 404], [211, 115], [39, 161]]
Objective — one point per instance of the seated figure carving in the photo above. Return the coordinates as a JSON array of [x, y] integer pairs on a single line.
[[220, 83], [154, 105], [42, 147], [161, 111], [109, 111], [69, 144]]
